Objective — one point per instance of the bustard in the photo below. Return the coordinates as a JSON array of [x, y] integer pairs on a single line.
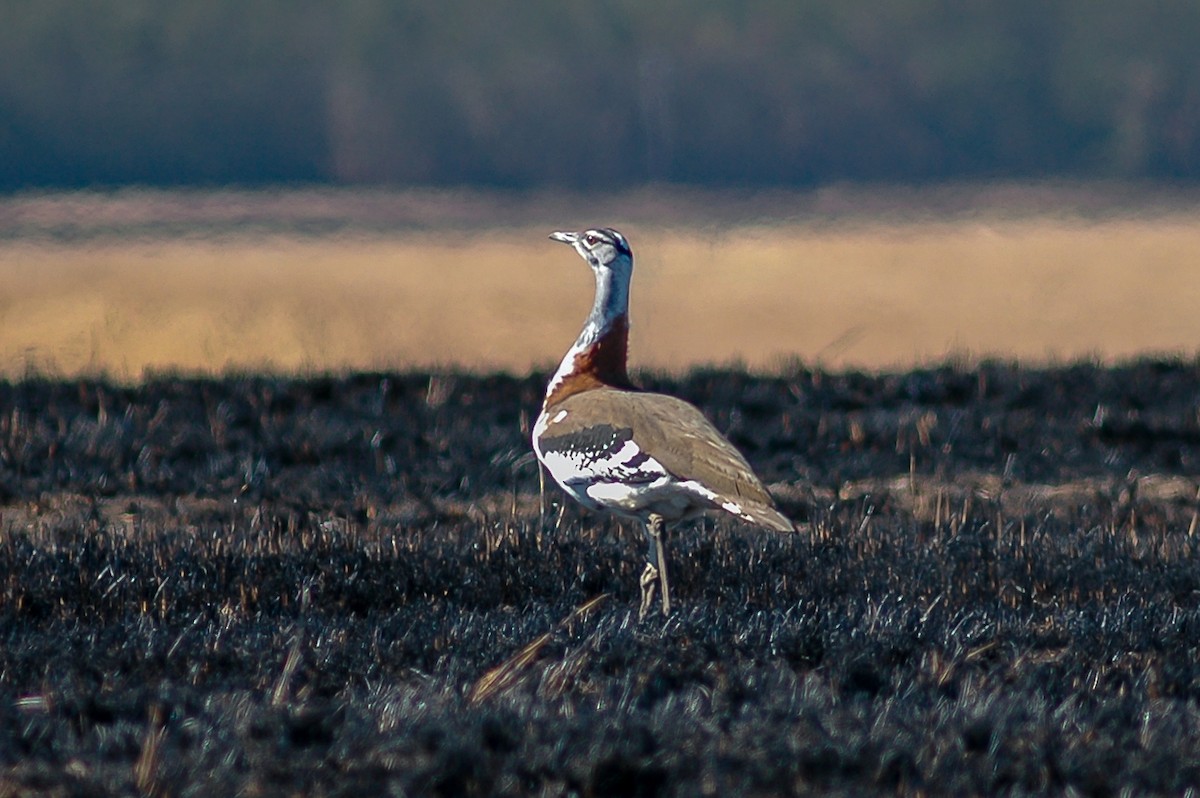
[[619, 449]]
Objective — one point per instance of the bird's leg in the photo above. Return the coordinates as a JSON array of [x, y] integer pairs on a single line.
[[656, 566]]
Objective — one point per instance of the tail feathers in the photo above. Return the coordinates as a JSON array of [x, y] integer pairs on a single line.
[[762, 515]]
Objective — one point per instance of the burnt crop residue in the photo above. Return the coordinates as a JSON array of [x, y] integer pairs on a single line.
[[351, 584]]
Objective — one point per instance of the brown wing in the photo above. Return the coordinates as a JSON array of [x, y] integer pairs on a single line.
[[678, 436]]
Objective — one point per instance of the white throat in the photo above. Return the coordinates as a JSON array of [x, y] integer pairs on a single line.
[[610, 304]]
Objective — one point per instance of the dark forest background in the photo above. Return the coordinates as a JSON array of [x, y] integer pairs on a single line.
[[595, 94]]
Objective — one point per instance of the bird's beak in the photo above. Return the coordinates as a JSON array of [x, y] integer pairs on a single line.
[[566, 238]]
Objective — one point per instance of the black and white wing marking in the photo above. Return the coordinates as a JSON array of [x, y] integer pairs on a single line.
[[599, 453]]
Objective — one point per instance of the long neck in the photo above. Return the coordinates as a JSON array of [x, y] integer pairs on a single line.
[[598, 356]]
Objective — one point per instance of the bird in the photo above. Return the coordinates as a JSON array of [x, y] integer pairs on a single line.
[[616, 448]]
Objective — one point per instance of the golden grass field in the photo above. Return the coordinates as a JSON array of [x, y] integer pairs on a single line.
[[869, 293]]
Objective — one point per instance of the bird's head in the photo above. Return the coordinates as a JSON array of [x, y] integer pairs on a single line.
[[603, 248]]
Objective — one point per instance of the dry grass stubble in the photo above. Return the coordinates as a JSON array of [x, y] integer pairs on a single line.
[[872, 295]]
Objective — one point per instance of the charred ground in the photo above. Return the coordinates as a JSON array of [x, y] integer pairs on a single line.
[[351, 586]]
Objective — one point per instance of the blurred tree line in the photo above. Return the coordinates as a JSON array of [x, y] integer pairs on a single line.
[[575, 93]]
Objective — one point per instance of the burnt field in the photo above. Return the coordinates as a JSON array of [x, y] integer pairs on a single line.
[[351, 586]]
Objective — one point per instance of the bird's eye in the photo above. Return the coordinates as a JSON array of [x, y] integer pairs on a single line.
[[590, 240]]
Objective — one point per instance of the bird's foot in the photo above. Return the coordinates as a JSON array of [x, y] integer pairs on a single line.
[[653, 579], [649, 582]]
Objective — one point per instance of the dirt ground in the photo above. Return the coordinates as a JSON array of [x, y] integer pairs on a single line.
[[133, 294], [352, 586]]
